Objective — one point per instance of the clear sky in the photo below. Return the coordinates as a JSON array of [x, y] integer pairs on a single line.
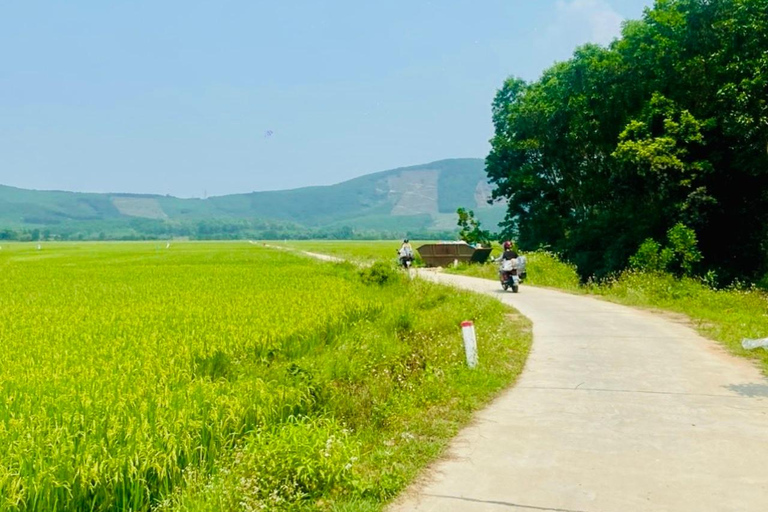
[[188, 98]]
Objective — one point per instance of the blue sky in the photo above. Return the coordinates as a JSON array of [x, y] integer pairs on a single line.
[[191, 98]]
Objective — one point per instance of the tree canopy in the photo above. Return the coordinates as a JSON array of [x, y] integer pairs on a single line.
[[666, 126], [470, 230]]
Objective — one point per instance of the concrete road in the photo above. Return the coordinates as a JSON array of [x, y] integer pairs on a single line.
[[618, 410]]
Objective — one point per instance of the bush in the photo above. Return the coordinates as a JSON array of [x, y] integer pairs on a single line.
[[650, 257], [380, 273], [548, 269], [678, 257]]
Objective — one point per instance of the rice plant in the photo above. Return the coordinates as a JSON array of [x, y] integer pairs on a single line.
[[211, 376]]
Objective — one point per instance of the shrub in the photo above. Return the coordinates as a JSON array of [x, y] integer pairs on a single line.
[[678, 257], [380, 273]]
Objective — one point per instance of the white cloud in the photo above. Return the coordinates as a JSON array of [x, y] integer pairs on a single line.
[[595, 19]]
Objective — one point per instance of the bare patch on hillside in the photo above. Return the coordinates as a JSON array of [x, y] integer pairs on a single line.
[[414, 192], [139, 207], [483, 193]]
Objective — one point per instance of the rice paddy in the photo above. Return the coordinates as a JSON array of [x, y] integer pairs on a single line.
[[227, 376]]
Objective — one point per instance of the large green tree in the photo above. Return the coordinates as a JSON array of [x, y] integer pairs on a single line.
[[667, 125]]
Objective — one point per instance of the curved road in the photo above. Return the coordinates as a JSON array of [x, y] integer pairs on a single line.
[[618, 410]]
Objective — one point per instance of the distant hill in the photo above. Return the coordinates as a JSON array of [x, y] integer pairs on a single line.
[[421, 198]]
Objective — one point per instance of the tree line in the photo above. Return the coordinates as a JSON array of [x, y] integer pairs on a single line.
[[660, 137], [210, 229]]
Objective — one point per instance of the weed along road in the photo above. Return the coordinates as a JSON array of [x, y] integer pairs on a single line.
[[618, 410]]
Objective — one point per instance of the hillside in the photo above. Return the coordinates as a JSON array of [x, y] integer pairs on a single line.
[[421, 198]]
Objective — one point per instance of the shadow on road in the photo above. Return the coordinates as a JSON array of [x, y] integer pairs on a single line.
[[749, 390]]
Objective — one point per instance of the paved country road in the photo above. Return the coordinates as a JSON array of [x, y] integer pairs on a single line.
[[618, 410]]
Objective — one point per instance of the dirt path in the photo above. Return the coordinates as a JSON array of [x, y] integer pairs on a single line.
[[618, 410]]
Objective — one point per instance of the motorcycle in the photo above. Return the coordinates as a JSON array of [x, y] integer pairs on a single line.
[[508, 275], [404, 260]]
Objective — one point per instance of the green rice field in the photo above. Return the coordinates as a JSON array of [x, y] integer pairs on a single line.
[[229, 376]]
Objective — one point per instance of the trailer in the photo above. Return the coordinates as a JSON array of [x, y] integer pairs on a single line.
[[443, 254]]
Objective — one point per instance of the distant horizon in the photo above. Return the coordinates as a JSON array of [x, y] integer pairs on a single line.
[[113, 192]]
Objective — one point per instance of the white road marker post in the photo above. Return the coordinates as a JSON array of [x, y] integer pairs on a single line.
[[470, 343]]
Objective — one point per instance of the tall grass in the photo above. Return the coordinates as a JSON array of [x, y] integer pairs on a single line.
[[543, 268], [228, 377], [726, 316]]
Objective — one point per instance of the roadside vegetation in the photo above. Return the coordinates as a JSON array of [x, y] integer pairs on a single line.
[[543, 268], [226, 376], [726, 315], [358, 251]]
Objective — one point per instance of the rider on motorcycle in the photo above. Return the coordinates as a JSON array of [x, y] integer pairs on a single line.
[[405, 254], [508, 261], [508, 253]]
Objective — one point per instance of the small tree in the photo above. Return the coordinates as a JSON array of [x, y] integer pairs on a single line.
[[470, 228], [679, 256]]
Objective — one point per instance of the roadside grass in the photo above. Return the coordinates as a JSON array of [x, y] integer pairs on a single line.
[[397, 389], [225, 376], [543, 268], [725, 316]]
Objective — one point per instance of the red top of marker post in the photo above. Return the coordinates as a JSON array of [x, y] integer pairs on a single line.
[[466, 323]]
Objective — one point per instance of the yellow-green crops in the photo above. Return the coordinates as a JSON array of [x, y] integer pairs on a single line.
[[126, 368]]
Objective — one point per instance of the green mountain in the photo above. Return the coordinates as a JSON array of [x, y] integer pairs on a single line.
[[421, 198]]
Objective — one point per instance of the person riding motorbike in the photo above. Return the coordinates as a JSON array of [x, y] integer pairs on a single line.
[[405, 254], [521, 259], [508, 264], [508, 253]]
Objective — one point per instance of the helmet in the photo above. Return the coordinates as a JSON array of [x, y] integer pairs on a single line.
[[507, 245]]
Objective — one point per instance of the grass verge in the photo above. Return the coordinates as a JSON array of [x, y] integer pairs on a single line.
[[544, 269], [725, 316]]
